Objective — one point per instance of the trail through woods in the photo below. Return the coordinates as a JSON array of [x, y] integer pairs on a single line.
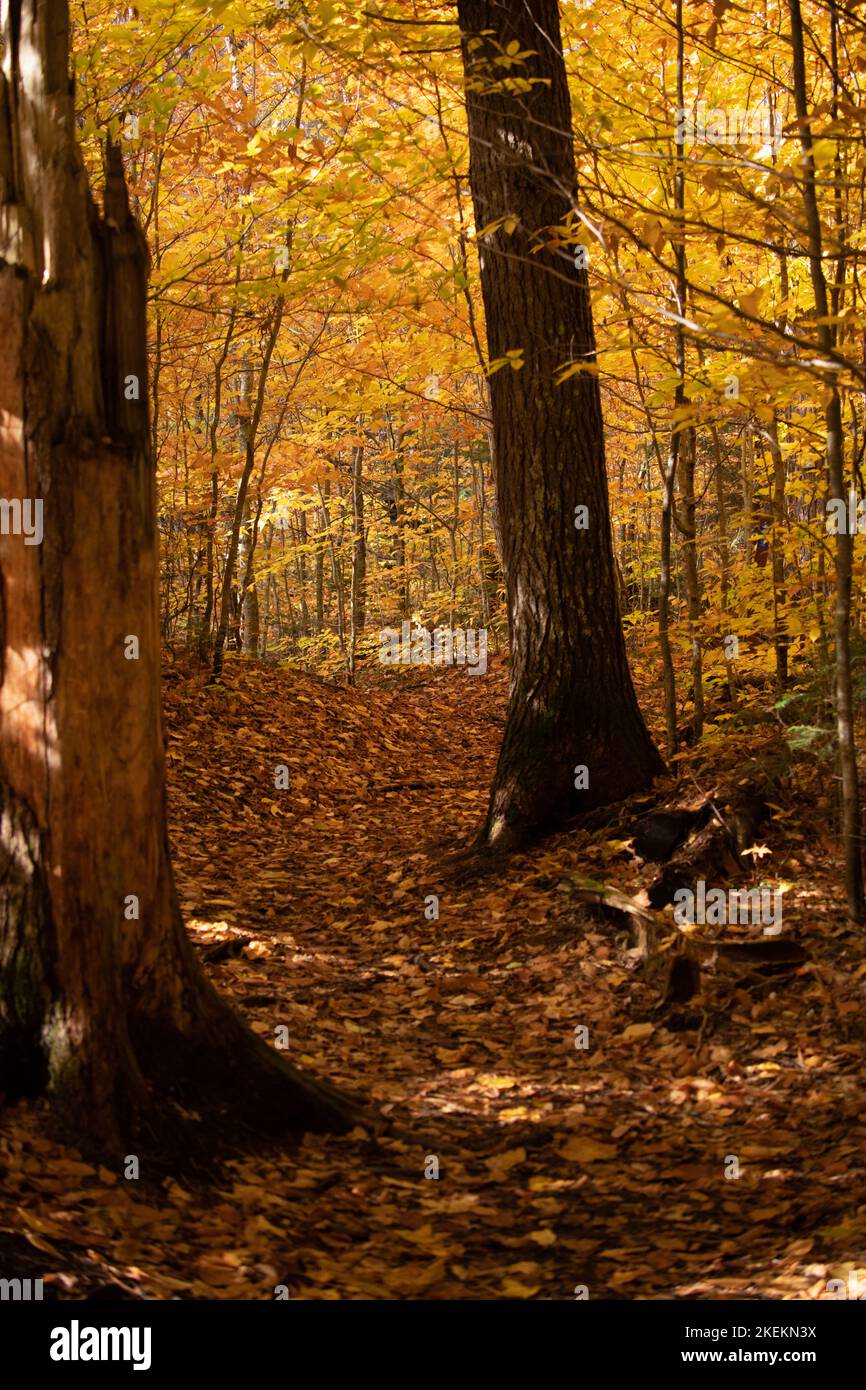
[[559, 1166]]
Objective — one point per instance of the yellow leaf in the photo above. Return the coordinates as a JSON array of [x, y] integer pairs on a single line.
[[636, 1032], [578, 1150], [501, 1163], [543, 1237], [422, 1236], [491, 1082], [512, 1288]]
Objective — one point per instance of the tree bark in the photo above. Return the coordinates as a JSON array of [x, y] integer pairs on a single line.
[[359, 544], [98, 1006], [688, 528], [572, 703], [249, 591], [844, 549], [301, 563], [675, 449], [319, 519], [779, 536], [249, 429], [400, 527]]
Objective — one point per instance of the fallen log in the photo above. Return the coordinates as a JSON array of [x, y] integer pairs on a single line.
[[754, 963], [620, 908], [657, 834], [718, 851]]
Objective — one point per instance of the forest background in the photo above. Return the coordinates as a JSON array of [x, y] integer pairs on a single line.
[[319, 372]]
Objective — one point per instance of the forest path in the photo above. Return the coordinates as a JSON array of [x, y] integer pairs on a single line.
[[559, 1167]]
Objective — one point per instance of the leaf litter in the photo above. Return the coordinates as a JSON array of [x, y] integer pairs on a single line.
[[601, 1164]]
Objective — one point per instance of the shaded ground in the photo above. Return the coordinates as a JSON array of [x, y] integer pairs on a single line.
[[559, 1166]]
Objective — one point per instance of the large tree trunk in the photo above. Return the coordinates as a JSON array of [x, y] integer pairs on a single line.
[[101, 998], [572, 702], [675, 448], [844, 548]]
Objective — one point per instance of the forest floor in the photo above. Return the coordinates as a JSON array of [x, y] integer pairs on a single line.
[[561, 1168]]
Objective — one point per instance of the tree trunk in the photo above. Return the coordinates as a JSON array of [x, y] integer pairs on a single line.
[[206, 634], [669, 680], [336, 568], [844, 549], [249, 596], [779, 536], [747, 461], [675, 448], [319, 520], [301, 567], [400, 529], [266, 617], [249, 430], [101, 998], [359, 545], [724, 559], [572, 704], [689, 531]]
